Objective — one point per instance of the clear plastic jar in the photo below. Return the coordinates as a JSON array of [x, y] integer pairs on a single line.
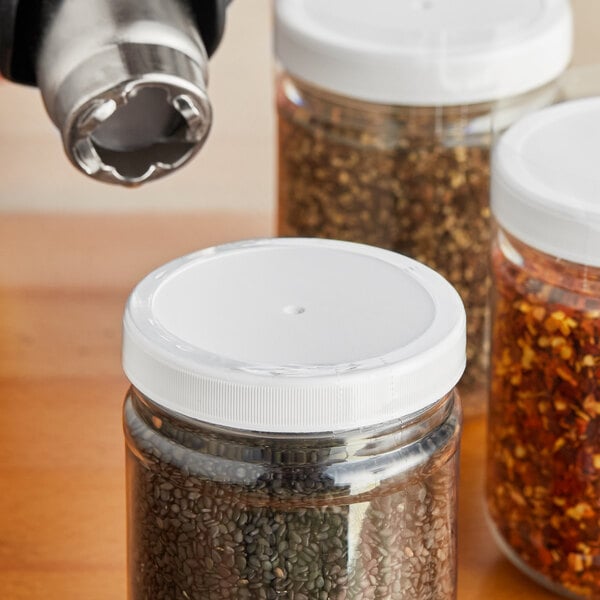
[[543, 471], [276, 459], [385, 130], [222, 513]]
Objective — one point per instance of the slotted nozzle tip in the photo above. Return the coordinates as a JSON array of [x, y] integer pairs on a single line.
[[139, 130]]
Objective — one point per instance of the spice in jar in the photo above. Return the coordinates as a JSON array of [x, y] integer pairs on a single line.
[[543, 471], [388, 143], [424, 197], [273, 451], [291, 531]]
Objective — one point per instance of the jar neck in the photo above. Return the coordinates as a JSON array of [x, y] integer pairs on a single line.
[[294, 449], [350, 464], [557, 272], [476, 124]]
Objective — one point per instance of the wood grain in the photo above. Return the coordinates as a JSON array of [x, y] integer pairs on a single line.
[[63, 283]]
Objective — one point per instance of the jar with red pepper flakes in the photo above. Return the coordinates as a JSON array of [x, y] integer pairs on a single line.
[[543, 476]]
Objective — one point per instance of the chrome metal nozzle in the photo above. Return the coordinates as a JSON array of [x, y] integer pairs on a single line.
[[125, 82]]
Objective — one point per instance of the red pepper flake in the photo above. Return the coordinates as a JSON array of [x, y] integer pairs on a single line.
[[564, 373], [543, 486]]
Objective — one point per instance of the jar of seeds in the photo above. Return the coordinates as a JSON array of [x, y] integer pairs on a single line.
[[292, 426], [387, 110], [543, 476]]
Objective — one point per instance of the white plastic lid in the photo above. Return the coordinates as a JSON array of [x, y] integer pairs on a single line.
[[424, 52], [545, 186], [294, 335]]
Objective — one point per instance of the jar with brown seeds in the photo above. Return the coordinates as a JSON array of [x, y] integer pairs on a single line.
[[274, 451], [403, 161], [217, 513]]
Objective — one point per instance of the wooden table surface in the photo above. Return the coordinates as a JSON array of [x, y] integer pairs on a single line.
[[63, 284]]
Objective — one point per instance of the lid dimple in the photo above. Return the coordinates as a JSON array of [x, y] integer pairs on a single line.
[[294, 335], [545, 181], [424, 52]]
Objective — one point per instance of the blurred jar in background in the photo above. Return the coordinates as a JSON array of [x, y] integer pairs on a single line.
[[387, 113]]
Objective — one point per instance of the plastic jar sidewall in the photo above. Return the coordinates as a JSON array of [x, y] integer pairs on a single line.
[[442, 445], [482, 122]]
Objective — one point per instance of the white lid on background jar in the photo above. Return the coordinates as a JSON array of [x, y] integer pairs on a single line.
[[424, 52], [294, 335], [545, 183]]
